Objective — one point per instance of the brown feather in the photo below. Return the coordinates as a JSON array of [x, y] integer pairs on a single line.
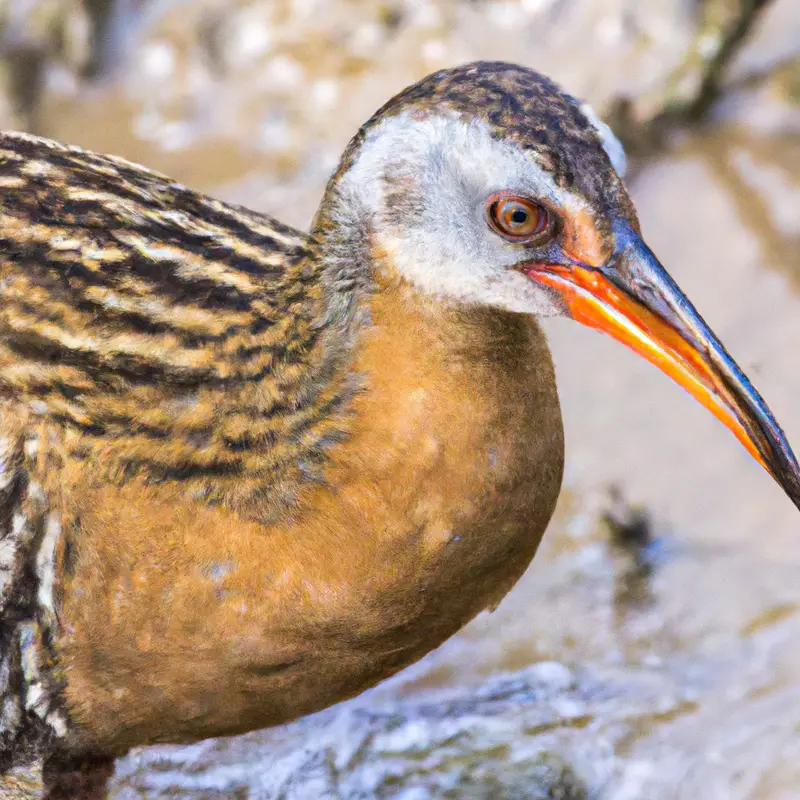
[[244, 473]]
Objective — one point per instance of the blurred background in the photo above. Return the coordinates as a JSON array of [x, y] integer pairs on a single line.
[[653, 648]]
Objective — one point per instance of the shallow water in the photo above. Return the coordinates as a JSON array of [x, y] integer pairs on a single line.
[[694, 637]]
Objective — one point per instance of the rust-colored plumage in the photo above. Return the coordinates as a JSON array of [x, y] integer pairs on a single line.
[[148, 336], [246, 472], [230, 466]]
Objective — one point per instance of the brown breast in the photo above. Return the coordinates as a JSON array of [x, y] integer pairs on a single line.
[[181, 621]]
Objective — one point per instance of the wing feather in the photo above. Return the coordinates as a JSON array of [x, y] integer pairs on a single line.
[[161, 333]]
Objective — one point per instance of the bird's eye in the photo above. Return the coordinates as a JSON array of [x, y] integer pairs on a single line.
[[517, 218]]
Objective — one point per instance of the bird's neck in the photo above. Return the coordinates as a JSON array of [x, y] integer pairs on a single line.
[[425, 511]]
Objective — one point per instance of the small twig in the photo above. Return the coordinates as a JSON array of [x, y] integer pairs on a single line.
[[713, 66], [693, 88]]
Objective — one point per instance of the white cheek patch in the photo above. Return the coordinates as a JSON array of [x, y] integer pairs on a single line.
[[613, 147], [444, 246]]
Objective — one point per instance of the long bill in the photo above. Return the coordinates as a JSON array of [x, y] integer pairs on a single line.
[[634, 300]]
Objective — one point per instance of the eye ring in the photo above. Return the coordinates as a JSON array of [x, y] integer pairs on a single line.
[[518, 219]]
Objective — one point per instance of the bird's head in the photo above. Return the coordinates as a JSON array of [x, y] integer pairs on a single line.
[[486, 184]]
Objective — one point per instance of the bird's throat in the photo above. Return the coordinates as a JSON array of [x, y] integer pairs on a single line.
[[428, 512]]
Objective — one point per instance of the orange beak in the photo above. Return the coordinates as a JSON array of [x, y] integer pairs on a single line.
[[634, 300]]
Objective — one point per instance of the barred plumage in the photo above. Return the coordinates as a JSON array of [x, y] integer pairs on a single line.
[[245, 473], [147, 332], [137, 311]]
